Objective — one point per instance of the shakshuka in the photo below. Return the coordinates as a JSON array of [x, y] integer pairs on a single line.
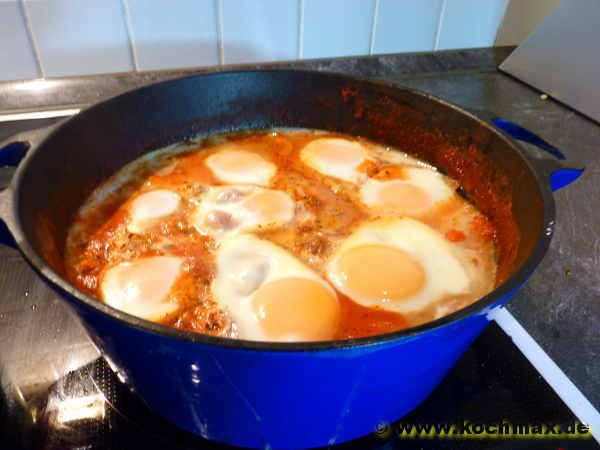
[[282, 235]]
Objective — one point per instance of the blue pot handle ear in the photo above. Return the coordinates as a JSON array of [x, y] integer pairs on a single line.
[[12, 151], [559, 175]]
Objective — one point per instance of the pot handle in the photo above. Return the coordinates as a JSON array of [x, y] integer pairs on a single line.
[[558, 174], [12, 151]]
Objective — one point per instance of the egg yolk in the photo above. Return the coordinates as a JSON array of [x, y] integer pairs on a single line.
[[268, 204], [239, 166], [403, 198], [299, 308], [381, 273]]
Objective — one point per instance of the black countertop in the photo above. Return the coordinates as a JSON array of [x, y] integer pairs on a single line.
[[560, 305]]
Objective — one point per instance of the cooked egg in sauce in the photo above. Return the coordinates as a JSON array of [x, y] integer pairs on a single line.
[[223, 210], [235, 165], [271, 295], [335, 157], [410, 191], [400, 265], [282, 235], [141, 287], [149, 207]]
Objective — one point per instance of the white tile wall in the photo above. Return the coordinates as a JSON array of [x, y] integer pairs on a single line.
[[337, 27], [264, 30], [181, 35], [406, 25], [72, 37], [17, 59], [77, 37]]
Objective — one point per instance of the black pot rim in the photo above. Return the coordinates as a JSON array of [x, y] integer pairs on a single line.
[[500, 292]]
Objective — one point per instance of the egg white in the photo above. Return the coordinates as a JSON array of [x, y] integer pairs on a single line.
[[398, 157]]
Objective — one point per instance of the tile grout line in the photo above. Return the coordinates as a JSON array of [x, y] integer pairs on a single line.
[[219, 23], [300, 43], [373, 27], [129, 28], [32, 40], [438, 31], [549, 370]]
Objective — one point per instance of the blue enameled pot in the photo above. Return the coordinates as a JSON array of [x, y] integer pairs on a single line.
[[271, 395]]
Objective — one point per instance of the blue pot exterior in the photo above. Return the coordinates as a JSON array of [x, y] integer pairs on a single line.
[[278, 398]]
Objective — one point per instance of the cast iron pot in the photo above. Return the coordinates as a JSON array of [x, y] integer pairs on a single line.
[[275, 395]]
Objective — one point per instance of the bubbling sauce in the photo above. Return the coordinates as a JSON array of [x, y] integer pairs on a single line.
[[282, 235]]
